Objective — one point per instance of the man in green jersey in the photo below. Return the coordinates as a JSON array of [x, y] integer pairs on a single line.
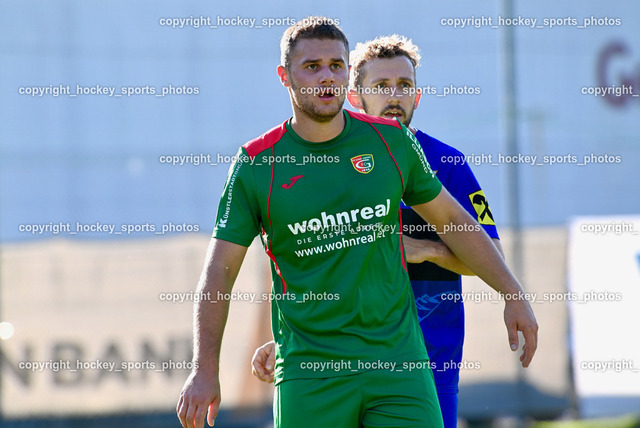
[[324, 189]]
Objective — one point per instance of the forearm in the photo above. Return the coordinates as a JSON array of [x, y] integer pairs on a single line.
[[476, 251], [210, 313], [209, 320], [425, 250], [468, 242], [474, 248], [446, 259]]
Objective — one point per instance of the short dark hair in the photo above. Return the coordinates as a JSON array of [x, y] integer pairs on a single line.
[[312, 27]]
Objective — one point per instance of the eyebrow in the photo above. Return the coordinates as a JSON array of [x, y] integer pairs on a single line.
[[307, 61], [386, 79]]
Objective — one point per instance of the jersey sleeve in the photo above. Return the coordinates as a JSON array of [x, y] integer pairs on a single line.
[[420, 184], [464, 187], [238, 218]]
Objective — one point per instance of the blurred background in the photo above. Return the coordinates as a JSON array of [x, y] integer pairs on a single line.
[[118, 121]]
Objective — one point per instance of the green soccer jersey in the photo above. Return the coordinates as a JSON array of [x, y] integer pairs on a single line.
[[330, 222]]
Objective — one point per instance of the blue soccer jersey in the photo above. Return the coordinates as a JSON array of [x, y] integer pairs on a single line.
[[441, 316]]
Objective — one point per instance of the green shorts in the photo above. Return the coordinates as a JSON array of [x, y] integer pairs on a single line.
[[377, 398]]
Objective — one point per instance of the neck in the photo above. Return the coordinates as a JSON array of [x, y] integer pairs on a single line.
[[317, 132]]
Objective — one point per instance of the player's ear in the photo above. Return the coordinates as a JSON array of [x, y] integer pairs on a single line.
[[284, 76], [353, 97], [417, 100], [354, 100]]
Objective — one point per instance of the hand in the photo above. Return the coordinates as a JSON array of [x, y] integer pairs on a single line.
[[263, 362], [518, 316], [421, 250], [201, 392]]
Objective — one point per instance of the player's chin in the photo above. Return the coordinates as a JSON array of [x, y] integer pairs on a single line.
[[328, 112]]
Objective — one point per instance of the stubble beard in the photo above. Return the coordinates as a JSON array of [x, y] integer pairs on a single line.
[[407, 115], [304, 104]]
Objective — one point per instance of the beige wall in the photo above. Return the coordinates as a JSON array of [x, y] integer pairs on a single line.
[[101, 301]]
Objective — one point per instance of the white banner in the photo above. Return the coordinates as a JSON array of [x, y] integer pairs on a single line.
[[604, 291]]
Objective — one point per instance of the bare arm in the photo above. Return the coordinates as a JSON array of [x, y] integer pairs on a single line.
[[201, 391], [425, 250], [474, 248]]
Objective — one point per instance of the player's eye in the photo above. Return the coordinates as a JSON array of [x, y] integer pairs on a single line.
[[380, 85], [312, 66], [336, 66]]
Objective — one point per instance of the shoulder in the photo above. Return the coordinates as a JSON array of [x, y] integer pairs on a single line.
[[394, 134], [436, 146], [374, 120], [265, 141]]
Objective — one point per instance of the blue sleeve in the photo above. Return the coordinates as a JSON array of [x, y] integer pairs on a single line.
[[456, 176]]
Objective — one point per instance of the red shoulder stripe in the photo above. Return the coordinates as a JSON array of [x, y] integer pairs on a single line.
[[265, 141], [373, 119]]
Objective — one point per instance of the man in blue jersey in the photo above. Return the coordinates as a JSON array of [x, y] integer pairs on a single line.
[[383, 83]]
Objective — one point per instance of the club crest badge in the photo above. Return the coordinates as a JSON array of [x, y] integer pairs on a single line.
[[363, 163]]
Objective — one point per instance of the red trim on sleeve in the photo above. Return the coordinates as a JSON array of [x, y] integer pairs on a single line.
[[268, 246], [265, 141], [404, 264]]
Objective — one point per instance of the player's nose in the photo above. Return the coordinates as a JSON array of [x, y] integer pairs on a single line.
[[394, 95], [327, 76], [393, 99]]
